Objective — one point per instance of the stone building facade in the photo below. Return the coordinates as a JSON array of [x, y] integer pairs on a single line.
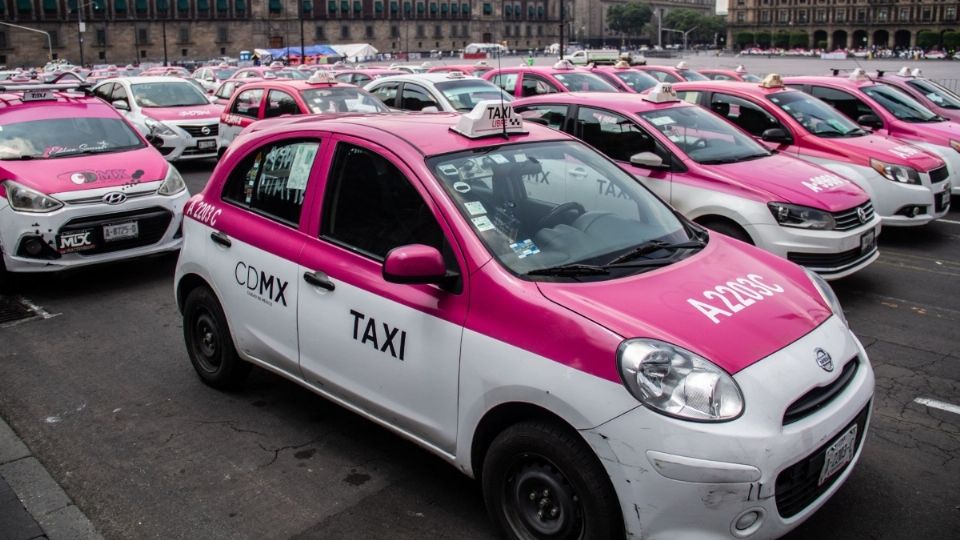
[[844, 24]]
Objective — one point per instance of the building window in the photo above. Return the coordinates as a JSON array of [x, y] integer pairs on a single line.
[[861, 15], [54, 38], [276, 6], [368, 31], [394, 31], [223, 34], [488, 9], [184, 34], [3, 40], [101, 37], [420, 31], [950, 13], [802, 16], [464, 32], [882, 14], [926, 14], [143, 35], [765, 16], [904, 15], [437, 31], [344, 31], [740, 16], [820, 15], [453, 30], [183, 52], [840, 15], [783, 16], [319, 33]]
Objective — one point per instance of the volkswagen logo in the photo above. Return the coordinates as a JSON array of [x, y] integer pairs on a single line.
[[205, 130], [114, 197], [823, 359], [862, 215]]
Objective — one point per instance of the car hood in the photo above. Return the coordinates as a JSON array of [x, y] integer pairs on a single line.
[[660, 304], [60, 175], [938, 133], [786, 179], [197, 112], [888, 149]]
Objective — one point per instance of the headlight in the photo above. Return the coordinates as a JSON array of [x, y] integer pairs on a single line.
[[830, 297], [158, 128], [897, 173], [955, 145], [678, 383], [173, 183], [803, 217], [24, 199]]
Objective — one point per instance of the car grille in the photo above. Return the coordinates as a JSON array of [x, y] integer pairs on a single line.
[[941, 201], [850, 219], [938, 175], [152, 223], [821, 396], [199, 152], [195, 131], [829, 261], [797, 485]]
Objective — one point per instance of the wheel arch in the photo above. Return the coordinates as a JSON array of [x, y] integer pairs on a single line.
[[186, 284]]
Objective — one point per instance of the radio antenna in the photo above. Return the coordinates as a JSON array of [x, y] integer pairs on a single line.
[[503, 121]]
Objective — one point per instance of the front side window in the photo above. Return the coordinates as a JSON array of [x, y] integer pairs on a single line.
[[63, 137], [226, 90], [272, 181], [936, 93], [103, 91], [248, 103], [691, 75], [540, 205], [583, 82], [815, 116], [506, 81], [225, 73], [743, 113], [636, 80], [280, 103], [703, 137], [535, 86], [168, 94], [464, 95], [416, 98], [387, 93], [900, 105], [844, 102], [323, 100], [548, 115], [615, 135], [663, 76]]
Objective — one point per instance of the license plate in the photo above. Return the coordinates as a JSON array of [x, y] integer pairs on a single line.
[[868, 241], [75, 241], [120, 231], [944, 199], [206, 145], [839, 454]]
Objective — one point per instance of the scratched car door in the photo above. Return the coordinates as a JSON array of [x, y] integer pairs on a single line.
[[390, 350]]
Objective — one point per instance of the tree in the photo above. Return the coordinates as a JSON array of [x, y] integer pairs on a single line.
[[744, 39], [799, 40], [629, 19], [927, 39], [951, 40], [781, 40], [706, 27], [763, 39]]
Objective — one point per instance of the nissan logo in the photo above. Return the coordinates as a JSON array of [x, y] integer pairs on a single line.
[[862, 215], [823, 359], [206, 131], [114, 197]]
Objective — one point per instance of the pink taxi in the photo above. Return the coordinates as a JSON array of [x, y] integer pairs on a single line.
[[625, 78], [905, 182], [930, 93], [563, 76], [78, 184], [605, 367], [477, 69], [672, 74], [889, 111], [739, 74], [720, 177], [362, 76]]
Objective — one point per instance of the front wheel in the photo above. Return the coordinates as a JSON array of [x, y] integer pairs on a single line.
[[209, 343], [541, 481]]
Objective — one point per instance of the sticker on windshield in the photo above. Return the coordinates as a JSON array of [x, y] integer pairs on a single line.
[[461, 187], [525, 248], [497, 158], [824, 182], [448, 169], [483, 223], [734, 111], [519, 157], [475, 208], [662, 120]]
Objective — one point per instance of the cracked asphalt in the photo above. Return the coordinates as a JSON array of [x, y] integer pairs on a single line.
[[105, 397]]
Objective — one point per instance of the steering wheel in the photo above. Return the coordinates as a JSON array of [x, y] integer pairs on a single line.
[[554, 216]]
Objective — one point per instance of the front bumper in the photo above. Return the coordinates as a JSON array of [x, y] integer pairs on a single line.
[[186, 141], [951, 157], [678, 479], [84, 217]]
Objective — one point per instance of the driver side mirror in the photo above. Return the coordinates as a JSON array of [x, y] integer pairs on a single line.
[[871, 121], [776, 135], [121, 105], [647, 159], [415, 264], [430, 108]]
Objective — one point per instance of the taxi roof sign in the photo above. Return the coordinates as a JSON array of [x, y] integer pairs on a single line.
[[621, 64], [38, 95], [772, 80], [455, 74], [564, 64], [320, 77], [740, 69], [661, 93], [859, 75], [904, 72], [489, 118], [682, 65]]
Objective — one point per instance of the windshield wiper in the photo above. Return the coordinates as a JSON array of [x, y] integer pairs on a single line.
[[92, 151], [20, 158], [572, 269], [653, 246]]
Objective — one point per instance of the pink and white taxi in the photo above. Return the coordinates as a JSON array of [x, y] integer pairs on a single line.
[[175, 115], [721, 178], [930, 93], [79, 185], [604, 366]]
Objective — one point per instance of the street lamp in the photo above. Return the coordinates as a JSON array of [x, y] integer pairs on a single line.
[[49, 41], [305, 6], [81, 27]]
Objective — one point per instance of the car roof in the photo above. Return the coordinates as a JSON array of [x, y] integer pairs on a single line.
[[429, 78], [545, 70], [67, 104], [741, 87], [427, 133], [838, 82], [291, 84], [609, 100], [149, 79]]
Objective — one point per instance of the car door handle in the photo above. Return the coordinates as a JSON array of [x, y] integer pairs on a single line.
[[220, 238], [319, 279]]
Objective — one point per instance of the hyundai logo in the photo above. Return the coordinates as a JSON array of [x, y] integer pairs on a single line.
[[823, 359], [205, 130], [114, 197], [862, 215]]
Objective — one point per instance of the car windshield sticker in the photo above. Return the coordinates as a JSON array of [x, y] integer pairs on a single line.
[[519, 157], [525, 248], [661, 120], [475, 208], [300, 170], [482, 223], [461, 187], [500, 160], [448, 169], [824, 182], [734, 111], [734, 296]]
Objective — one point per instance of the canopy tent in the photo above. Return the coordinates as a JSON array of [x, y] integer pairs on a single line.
[[356, 52], [294, 51]]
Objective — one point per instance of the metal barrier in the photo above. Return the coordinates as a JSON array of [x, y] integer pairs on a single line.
[[950, 84]]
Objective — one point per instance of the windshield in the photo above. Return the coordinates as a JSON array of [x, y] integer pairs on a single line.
[[295, 74], [936, 93], [815, 116], [465, 94], [703, 136], [750, 77], [168, 94], [900, 105], [324, 100], [636, 80], [61, 137], [583, 82], [547, 204], [223, 74], [692, 75]]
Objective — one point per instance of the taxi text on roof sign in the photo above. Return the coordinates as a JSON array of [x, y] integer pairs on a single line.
[[661, 93], [772, 80], [489, 118]]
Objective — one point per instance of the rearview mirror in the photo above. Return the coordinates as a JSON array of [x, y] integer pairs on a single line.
[[647, 159], [414, 264], [870, 120], [776, 135], [121, 105]]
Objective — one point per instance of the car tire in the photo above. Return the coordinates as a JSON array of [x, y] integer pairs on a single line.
[[541, 480], [730, 229], [209, 342]]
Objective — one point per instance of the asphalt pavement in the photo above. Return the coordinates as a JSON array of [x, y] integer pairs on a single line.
[[102, 393]]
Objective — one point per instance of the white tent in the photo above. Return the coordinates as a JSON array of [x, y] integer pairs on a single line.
[[356, 52]]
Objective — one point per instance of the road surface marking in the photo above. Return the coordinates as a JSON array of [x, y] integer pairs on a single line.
[[949, 221], [938, 405]]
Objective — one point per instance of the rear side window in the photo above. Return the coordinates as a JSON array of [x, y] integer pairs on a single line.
[[387, 93], [280, 103], [506, 81], [548, 115], [248, 103], [535, 86], [663, 76], [614, 135], [272, 181], [416, 98], [103, 91], [846, 103], [743, 113]]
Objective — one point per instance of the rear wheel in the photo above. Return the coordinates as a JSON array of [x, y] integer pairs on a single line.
[[209, 343], [542, 481], [728, 228]]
